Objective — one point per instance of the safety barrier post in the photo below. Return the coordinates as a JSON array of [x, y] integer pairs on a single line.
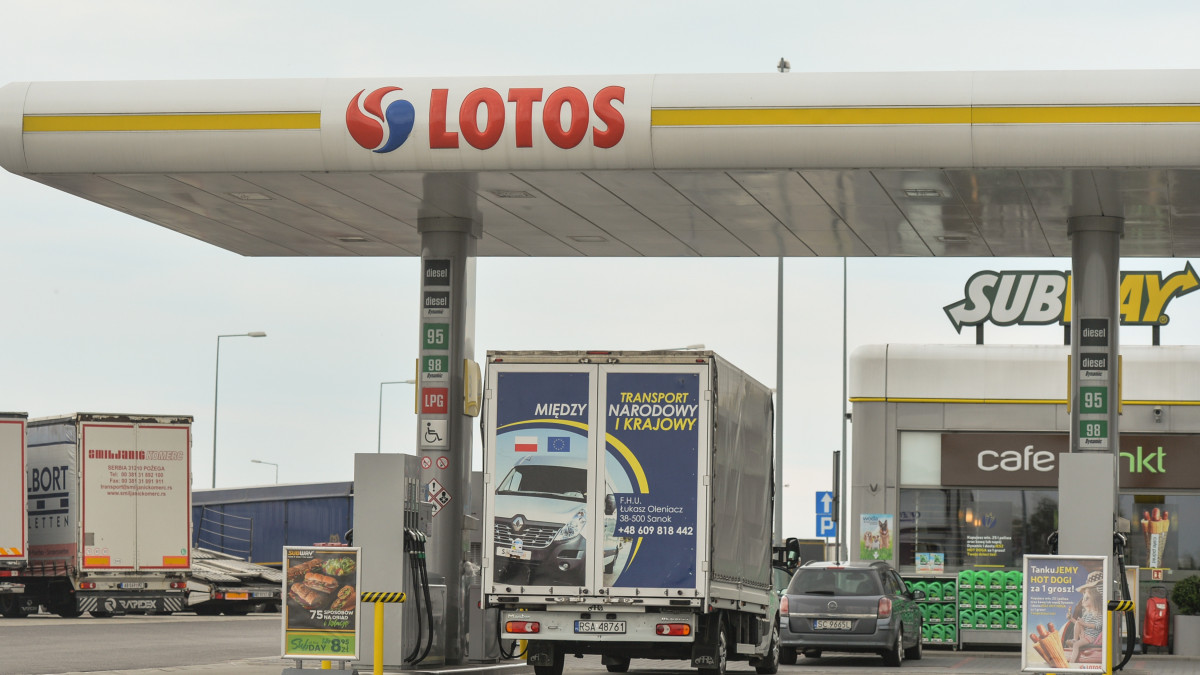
[[1114, 606], [379, 599]]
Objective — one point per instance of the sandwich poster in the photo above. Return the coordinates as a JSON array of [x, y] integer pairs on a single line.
[[320, 615]]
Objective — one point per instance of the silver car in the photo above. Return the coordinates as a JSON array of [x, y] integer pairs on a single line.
[[849, 607]]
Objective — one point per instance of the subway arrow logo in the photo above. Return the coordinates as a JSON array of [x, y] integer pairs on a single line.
[[1038, 298]]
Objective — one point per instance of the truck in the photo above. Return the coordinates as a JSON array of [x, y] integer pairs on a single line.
[[627, 508], [13, 533], [109, 514]]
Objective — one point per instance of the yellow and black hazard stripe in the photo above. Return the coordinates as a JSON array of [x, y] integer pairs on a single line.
[[368, 596]]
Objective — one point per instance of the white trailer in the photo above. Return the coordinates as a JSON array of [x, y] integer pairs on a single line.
[[109, 499], [13, 533], [627, 508]]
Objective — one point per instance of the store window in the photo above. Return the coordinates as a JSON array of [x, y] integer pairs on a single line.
[[1162, 530], [976, 527]]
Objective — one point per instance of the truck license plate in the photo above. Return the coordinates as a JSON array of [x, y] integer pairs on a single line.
[[831, 624], [599, 626], [509, 553], [132, 584]]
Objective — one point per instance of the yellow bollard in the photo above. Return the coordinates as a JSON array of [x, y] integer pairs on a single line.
[[378, 670], [379, 598]]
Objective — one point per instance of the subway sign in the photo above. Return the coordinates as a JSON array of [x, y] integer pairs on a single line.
[[1031, 460], [1038, 298]]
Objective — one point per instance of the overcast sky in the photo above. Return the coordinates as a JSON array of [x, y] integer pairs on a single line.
[[106, 313]]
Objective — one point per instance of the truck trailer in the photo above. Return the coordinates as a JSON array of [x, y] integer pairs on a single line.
[[109, 514], [627, 508], [13, 533]]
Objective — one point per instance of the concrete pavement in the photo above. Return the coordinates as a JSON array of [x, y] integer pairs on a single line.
[[935, 663]]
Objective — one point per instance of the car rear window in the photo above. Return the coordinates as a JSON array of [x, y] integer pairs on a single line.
[[835, 582]]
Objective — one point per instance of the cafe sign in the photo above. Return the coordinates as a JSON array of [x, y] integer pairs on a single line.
[[1031, 460]]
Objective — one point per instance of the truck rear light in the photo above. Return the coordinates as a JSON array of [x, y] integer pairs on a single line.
[[87, 585], [218, 596], [178, 584], [522, 627], [783, 605], [673, 629], [885, 608]]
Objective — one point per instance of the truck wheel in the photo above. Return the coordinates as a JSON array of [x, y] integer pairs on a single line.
[[622, 665], [200, 610], [68, 612], [769, 664], [99, 614], [10, 607], [787, 656]]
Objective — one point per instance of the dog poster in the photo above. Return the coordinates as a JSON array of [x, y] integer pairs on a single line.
[[875, 536]]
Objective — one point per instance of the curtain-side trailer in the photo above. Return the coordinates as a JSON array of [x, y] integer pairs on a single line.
[[109, 513]]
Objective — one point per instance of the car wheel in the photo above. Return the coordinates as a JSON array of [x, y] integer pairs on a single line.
[[787, 656], [770, 664], [914, 653], [894, 656]]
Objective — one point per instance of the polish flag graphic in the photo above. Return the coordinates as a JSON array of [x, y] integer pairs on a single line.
[[526, 444]]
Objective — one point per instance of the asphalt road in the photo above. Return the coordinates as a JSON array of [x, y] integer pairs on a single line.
[[45, 644]]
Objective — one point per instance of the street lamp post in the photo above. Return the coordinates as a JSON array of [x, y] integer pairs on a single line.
[[259, 461], [379, 442], [217, 391]]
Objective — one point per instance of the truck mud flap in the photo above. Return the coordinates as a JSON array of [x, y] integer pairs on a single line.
[[540, 653], [705, 651], [125, 605]]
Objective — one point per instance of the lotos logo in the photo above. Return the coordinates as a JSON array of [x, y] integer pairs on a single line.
[[1032, 298], [365, 119], [563, 117]]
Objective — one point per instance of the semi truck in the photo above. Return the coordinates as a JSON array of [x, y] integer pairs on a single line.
[[109, 514], [13, 533], [627, 508]]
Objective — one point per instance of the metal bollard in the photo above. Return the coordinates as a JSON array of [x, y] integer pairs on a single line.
[[379, 598]]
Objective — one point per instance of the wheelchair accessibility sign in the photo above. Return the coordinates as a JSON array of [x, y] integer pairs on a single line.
[[433, 434]]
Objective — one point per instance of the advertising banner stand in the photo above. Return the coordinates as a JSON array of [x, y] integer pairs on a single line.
[[1064, 603], [320, 614]]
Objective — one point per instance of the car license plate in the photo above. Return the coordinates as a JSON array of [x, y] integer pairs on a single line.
[[831, 624], [599, 626], [510, 553]]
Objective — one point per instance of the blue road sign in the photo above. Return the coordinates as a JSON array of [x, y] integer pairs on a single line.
[[826, 528], [825, 525], [824, 503]]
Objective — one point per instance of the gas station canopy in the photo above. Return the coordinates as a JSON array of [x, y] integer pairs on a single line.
[[871, 164]]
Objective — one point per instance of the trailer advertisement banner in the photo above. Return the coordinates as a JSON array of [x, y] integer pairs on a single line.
[[653, 435], [541, 518], [1064, 608], [320, 615]]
